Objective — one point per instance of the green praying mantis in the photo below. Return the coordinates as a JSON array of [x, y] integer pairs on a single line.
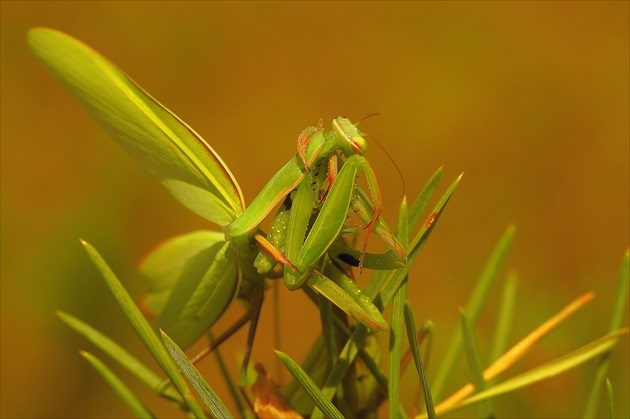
[[195, 277]]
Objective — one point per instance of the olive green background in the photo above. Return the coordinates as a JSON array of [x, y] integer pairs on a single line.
[[530, 99]]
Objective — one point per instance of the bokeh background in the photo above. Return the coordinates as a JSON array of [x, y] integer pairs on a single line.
[[530, 99]]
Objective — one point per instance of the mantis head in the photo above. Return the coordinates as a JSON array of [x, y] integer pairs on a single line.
[[348, 136]]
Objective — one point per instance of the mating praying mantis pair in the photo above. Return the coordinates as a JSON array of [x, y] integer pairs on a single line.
[[195, 277]]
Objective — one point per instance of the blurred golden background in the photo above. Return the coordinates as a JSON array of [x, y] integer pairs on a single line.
[[530, 99]]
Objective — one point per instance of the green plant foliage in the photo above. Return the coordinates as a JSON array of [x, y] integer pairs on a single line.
[[209, 397], [309, 387], [125, 394]]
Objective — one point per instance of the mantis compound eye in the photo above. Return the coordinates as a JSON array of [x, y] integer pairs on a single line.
[[358, 144]]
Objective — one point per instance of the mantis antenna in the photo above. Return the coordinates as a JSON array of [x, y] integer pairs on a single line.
[[400, 175]]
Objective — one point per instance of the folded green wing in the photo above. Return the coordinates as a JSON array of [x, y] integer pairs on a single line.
[[161, 142], [194, 279]]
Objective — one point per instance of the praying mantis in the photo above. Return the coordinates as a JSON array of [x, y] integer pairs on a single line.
[[195, 277]]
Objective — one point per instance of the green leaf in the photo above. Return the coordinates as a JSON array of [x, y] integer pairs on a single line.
[[395, 350], [417, 359], [543, 372], [505, 317], [519, 350], [314, 354], [422, 200], [155, 137], [396, 333], [474, 362], [611, 399], [119, 354], [616, 320], [209, 397], [309, 387], [127, 396], [228, 380], [143, 329], [473, 308], [378, 278]]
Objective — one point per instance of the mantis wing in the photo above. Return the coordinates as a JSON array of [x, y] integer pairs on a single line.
[[194, 279], [161, 142]]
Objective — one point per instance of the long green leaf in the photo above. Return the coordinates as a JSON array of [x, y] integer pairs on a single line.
[[309, 387], [209, 397], [417, 358], [473, 308], [474, 362], [422, 200], [543, 372], [504, 317], [161, 142], [419, 204], [128, 397], [616, 320], [611, 399], [119, 354], [143, 328], [396, 332], [314, 354], [236, 398], [395, 350]]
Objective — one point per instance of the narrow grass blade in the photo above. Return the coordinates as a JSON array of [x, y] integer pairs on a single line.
[[543, 372], [473, 308], [616, 320], [119, 354], [425, 331], [397, 323], [416, 245], [377, 280], [420, 203], [324, 405], [475, 364], [143, 329], [417, 358], [505, 317], [228, 379], [611, 400], [519, 350], [127, 396], [316, 351], [209, 397], [395, 350]]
